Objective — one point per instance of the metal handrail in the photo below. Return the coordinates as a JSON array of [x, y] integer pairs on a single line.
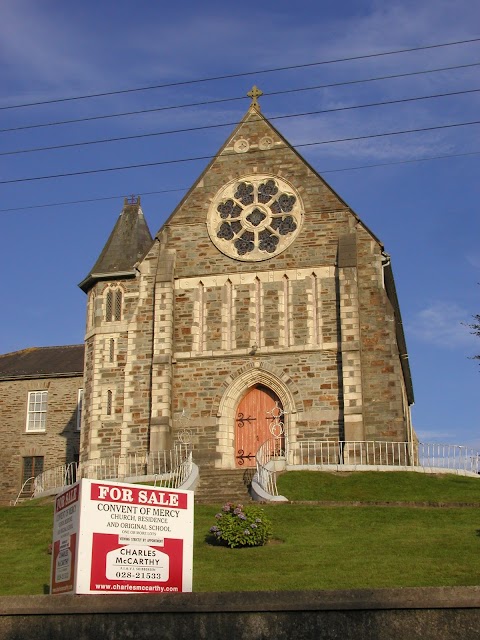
[[417, 456], [268, 453], [365, 454], [14, 502], [168, 468], [172, 468]]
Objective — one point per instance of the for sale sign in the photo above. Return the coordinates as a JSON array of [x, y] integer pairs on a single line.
[[65, 535], [130, 538]]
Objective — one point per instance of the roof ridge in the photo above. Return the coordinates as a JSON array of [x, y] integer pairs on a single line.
[[30, 349]]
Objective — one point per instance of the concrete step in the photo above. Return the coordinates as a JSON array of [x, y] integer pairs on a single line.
[[217, 486]]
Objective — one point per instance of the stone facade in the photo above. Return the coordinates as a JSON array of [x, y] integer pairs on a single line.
[[55, 443], [262, 275]]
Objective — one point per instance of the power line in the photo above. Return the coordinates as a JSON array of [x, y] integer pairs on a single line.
[[233, 124], [197, 158], [184, 189], [410, 161], [241, 74], [88, 200], [237, 98]]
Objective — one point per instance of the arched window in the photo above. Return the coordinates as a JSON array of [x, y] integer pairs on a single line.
[[117, 311], [113, 305], [109, 306]]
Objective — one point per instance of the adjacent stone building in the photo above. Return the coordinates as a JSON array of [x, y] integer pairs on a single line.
[[40, 413], [263, 289]]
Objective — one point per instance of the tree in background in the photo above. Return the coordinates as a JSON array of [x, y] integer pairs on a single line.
[[475, 327]]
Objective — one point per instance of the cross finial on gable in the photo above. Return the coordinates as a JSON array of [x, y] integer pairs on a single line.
[[132, 200], [254, 94]]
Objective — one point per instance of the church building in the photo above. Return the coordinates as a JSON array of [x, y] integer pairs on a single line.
[[262, 289]]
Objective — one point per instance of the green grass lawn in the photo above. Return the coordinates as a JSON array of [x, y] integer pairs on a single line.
[[371, 486], [346, 547], [25, 533], [314, 547]]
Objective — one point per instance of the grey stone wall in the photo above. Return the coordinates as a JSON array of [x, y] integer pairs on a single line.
[[381, 368], [376, 614]]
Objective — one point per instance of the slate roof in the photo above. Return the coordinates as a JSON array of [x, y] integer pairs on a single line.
[[40, 362], [128, 243]]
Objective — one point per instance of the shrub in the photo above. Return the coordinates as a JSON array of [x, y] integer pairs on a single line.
[[239, 526]]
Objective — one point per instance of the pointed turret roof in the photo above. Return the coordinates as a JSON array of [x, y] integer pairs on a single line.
[[128, 243]]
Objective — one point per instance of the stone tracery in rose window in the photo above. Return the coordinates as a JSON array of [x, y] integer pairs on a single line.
[[255, 218]]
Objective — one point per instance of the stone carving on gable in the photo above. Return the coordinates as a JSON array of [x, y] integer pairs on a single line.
[[255, 217], [241, 146], [266, 143]]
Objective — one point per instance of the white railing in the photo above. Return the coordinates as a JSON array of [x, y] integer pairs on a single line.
[[421, 456], [24, 488], [449, 456], [55, 478], [167, 468], [331, 454], [267, 457]]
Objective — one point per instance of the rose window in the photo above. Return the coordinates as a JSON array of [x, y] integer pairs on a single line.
[[255, 218]]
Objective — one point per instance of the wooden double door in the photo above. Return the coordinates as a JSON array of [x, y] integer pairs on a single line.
[[253, 421]]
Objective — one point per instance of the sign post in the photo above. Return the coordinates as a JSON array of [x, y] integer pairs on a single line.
[[112, 537]]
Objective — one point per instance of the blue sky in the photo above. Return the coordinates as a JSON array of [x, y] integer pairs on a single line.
[[425, 213]]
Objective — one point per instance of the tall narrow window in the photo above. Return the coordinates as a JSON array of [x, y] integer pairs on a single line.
[[109, 403], [79, 408], [200, 317], [313, 310], [117, 315], [286, 310], [258, 312], [113, 305], [227, 314], [92, 298], [37, 411], [109, 306], [111, 350]]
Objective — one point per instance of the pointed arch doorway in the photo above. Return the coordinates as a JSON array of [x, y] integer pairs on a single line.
[[253, 419]]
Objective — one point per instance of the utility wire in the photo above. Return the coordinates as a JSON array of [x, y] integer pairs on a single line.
[[237, 98], [184, 189], [88, 200], [197, 158], [410, 161], [241, 74], [233, 124]]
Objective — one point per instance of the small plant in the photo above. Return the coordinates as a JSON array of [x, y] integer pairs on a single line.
[[239, 526]]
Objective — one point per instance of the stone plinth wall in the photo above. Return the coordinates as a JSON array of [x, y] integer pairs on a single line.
[[386, 614]]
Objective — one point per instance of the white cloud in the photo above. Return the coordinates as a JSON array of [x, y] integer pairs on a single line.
[[433, 436], [60, 51], [473, 260], [442, 324], [42, 47]]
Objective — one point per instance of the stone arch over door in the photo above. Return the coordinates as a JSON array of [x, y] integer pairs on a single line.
[[236, 387]]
